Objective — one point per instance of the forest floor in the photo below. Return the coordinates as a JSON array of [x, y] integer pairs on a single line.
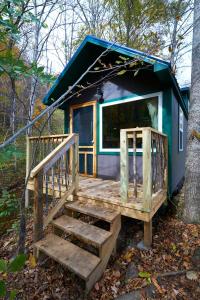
[[169, 270]]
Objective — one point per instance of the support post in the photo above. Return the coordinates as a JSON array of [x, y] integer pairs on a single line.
[[38, 208], [75, 164], [147, 234], [147, 170], [124, 165], [28, 162]]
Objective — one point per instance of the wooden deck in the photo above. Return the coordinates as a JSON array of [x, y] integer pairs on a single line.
[[106, 193], [55, 173]]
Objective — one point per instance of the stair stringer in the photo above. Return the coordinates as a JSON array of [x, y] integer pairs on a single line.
[[104, 252]]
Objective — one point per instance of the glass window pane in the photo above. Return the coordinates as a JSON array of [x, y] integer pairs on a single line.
[[141, 113]]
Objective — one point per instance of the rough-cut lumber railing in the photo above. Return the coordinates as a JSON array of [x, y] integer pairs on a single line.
[[59, 168], [37, 148], [154, 153]]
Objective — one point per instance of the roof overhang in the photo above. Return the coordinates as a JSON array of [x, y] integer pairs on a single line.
[[90, 49]]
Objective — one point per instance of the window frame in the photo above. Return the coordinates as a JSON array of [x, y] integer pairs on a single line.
[[180, 128], [159, 95]]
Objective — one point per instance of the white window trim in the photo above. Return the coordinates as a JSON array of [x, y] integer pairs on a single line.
[[147, 96], [180, 129]]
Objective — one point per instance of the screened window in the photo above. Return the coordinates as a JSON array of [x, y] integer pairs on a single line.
[[180, 129], [140, 113]]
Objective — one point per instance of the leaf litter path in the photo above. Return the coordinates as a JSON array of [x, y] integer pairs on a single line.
[[176, 247]]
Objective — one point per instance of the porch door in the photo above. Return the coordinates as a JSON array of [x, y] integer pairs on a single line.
[[83, 122]]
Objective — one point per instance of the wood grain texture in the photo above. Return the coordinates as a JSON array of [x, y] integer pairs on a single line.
[[94, 211], [69, 255], [83, 231], [147, 171], [124, 166], [38, 209]]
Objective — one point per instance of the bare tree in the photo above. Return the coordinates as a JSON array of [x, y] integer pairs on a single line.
[[192, 180], [178, 23]]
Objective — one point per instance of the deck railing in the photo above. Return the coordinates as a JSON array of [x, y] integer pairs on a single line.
[[38, 147], [57, 170], [152, 147]]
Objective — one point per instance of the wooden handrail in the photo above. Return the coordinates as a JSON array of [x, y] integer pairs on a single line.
[[52, 166], [67, 142], [142, 128], [47, 136]]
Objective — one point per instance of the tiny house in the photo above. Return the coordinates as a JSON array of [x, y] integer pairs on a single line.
[[150, 98], [122, 152]]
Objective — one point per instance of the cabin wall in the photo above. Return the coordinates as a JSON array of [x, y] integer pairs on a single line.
[[108, 164], [178, 157], [146, 82]]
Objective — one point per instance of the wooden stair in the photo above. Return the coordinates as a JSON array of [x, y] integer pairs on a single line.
[[83, 263]]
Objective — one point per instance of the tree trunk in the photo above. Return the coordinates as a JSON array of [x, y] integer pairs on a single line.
[[192, 180]]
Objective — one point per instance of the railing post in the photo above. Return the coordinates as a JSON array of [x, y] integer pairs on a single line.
[[147, 169], [28, 162], [165, 141], [38, 207], [124, 165], [75, 164]]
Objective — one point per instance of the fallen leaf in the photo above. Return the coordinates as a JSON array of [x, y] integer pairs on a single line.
[[192, 275], [32, 261]]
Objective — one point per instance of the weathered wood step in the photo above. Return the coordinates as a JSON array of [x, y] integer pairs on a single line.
[[105, 214], [69, 255], [83, 231]]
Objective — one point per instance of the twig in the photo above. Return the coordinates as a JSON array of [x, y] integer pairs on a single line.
[[173, 273]]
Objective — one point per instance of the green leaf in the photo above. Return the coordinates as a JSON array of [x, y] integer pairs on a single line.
[[97, 68], [119, 62], [13, 295], [121, 72], [3, 266], [124, 58], [2, 288], [132, 64], [144, 274], [17, 264]]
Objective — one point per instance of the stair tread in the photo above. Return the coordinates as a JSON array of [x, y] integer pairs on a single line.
[[82, 230], [102, 213], [69, 255]]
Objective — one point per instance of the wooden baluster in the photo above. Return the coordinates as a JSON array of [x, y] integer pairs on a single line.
[[67, 169], [28, 165], [156, 163], [59, 184], [124, 165], [134, 164], [53, 181], [159, 163], [163, 162], [38, 207], [153, 154], [46, 191], [43, 148], [147, 171], [166, 163]]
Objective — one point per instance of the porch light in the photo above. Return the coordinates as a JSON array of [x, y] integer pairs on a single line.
[[99, 95]]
